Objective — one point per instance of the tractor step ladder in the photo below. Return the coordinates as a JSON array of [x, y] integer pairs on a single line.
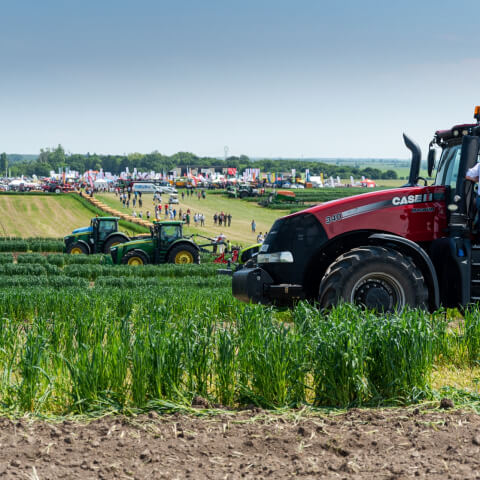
[[475, 280]]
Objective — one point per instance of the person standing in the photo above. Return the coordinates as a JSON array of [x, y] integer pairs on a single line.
[[229, 218], [254, 226]]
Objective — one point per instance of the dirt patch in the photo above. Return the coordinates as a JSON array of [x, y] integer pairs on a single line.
[[391, 444]]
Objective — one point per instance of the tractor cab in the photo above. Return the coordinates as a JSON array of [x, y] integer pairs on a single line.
[[102, 227], [165, 233], [460, 250]]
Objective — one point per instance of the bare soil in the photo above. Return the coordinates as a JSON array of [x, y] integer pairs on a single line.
[[390, 444]]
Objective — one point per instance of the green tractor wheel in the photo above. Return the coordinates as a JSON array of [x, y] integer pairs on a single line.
[[183, 254], [135, 258], [77, 248]]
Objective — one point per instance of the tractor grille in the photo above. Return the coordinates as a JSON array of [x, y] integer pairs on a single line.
[[303, 235]]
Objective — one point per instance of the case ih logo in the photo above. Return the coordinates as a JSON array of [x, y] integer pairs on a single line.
[[405, 200]]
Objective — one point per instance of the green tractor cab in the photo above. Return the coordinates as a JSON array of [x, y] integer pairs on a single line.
[[97, 238], [165, 245]]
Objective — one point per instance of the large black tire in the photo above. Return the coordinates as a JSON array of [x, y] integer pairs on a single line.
[[112, 241], [135, 258], [377, 278], [57, 191], [183, 254], [78, 248]]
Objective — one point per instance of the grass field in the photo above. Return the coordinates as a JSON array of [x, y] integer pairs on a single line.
[[242, 214], [41, 215]]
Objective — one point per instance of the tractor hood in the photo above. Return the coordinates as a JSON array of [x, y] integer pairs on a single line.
[[83, 230], [418, 213]]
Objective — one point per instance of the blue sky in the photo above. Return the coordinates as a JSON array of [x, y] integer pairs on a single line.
[[267, 78]]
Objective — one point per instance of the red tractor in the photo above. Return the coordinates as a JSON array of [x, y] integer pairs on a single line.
[[412, 246]]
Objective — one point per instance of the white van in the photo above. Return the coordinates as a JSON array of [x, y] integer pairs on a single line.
[[146, 188]]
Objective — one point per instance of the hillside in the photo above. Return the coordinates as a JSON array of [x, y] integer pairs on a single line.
[[41, 215]]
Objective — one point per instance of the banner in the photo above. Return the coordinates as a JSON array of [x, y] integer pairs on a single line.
[[231, 171]]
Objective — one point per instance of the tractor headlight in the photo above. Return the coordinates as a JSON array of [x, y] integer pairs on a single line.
[[277, 257]]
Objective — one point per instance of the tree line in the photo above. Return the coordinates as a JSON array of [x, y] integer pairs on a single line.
[[56, 159]]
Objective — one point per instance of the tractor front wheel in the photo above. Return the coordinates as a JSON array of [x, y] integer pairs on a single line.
[[77, 248], [376, 278], [183, 254], [135, 259]]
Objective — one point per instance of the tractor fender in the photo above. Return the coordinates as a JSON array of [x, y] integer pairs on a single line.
[[118, 234], [420, 257], [87, 246]]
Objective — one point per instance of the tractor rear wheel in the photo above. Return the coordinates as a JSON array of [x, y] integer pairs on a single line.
[[377, 278], [183, 254], [77, 248], [135, 258], [112, 241]]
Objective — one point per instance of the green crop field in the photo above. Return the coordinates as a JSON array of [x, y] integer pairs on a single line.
[[81, 337]]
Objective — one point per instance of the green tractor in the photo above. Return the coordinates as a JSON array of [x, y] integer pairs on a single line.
[[97, 238], [165, 245]]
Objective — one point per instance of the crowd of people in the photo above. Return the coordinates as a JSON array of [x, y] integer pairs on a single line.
[[170, 212], [222, 219]]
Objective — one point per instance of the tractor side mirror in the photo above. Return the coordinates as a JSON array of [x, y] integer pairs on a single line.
[[431, 160]]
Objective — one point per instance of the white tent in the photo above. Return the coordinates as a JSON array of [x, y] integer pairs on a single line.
[[100, 182]]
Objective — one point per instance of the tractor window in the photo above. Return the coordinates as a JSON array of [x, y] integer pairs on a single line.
[[169, 233], [448, 172], [108, 226]]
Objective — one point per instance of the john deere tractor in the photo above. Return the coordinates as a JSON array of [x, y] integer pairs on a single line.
[[165, 245], [97, 238]]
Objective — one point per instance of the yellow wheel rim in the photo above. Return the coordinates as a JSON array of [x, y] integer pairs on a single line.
[[135, 261], [76, 251], [184, 257], [114, 244]]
